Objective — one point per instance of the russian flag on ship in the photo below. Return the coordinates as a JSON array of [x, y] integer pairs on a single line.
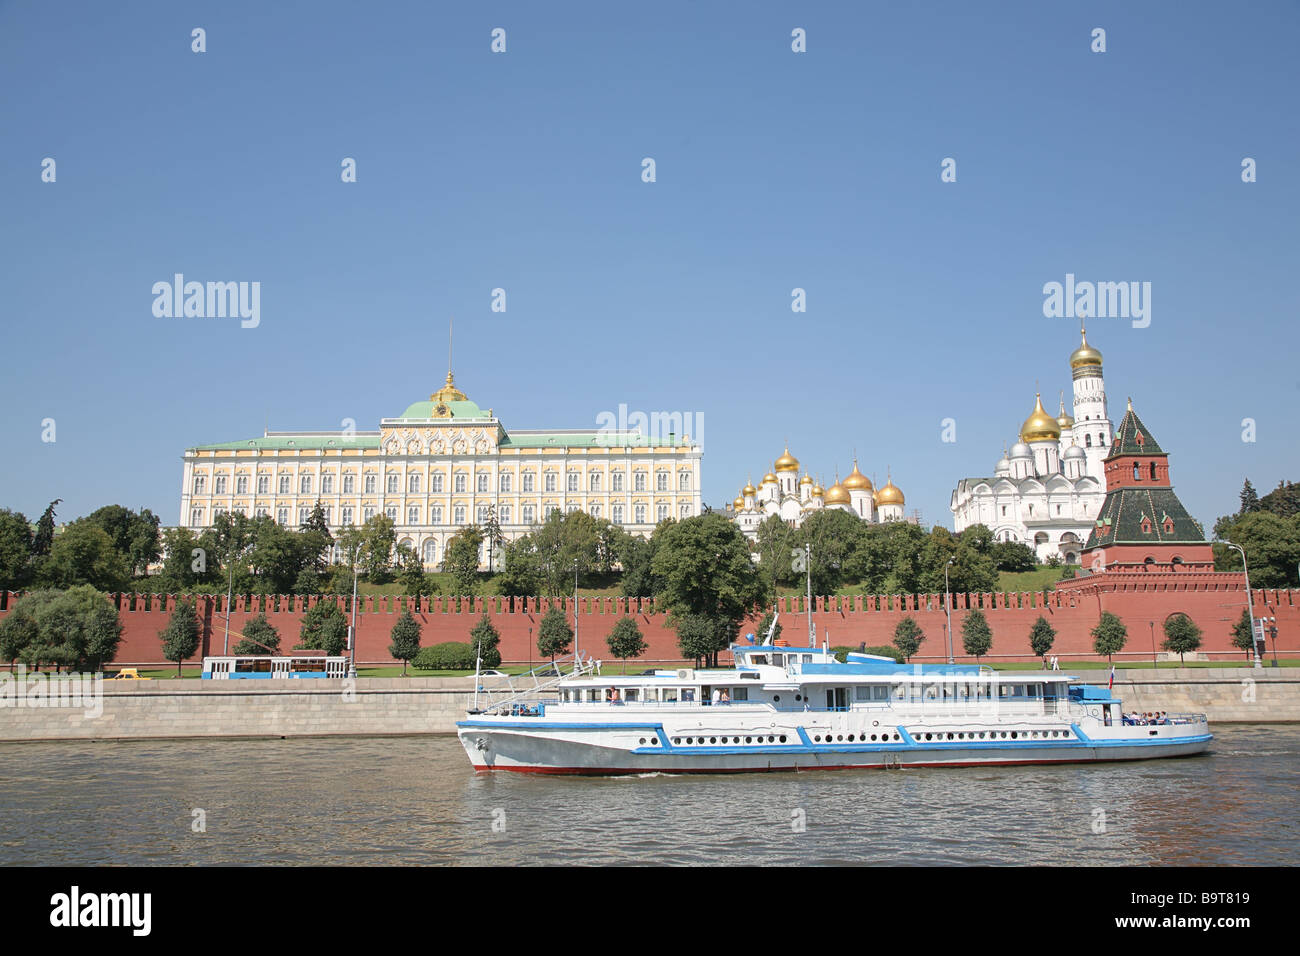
[[1111, 685]]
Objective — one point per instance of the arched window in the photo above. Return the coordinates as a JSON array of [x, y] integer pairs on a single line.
[[1153, 471], [1137, 472], [1087, 441], [430, 552]]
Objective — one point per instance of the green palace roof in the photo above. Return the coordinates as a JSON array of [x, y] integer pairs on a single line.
[[458, 409], [284, 442], [1123, 511]]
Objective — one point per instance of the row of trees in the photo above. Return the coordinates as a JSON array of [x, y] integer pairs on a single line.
[[106, 549], [1268, 528]]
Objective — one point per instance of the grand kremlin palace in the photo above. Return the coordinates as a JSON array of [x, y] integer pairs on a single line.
[[440, 466]]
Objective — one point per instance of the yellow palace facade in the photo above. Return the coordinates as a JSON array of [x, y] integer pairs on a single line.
[[441, 465]]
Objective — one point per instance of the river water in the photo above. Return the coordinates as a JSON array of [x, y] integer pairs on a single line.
[[414, 800]]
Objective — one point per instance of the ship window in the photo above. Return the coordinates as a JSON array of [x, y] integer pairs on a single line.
[[759, 658], [778, 660], [862, 693], [740, 693], [670, 694], [880, 692]]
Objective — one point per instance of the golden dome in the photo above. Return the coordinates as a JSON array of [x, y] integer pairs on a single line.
[[769, 477], [1039, 426], [818, 491], [786, 462], [891, 494], [1085, 354], [449, 392], [738, 504], [857, 481], [806, 480], [836, 494], [1065, 420], [749, 489]]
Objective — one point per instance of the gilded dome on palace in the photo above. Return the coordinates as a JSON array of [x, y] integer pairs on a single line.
[[787, 462], [891, 494], [769, 478], [836, 494], [1064, 419], [738, 504], [1085, 354], [857, 481], [1040, 426], [749, 489]]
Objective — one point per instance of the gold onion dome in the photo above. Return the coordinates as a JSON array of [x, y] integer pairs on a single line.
[[449, 392], [891, 494], [738, 504], [786, 462], [749, 489], [1065, 419], [818, 491], [806, 480], [836, 495], [1040, 426], [769, 477], [1085, 354], [857, 481]]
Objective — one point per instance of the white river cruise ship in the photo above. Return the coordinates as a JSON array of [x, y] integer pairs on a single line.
[[795, 708]]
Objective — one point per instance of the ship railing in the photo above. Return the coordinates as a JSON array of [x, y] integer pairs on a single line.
[[520, 693], [1165, 720]]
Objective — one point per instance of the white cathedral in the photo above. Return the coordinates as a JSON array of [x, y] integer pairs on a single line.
[[1047, 490], [783, 493]]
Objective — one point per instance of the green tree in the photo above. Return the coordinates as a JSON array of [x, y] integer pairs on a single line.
[[1182, 636], [79, 628], [637, 557], [1013, 556], [838, 549], [521, 569], [554, 636], [84, 554], [259, 636], [908, 637], [324, 628], [707, 572], [976, 636], [1243, 637], [764, 625], [183, 570], [776, 544], [1283, 501], [1110, 635], [180, 638], [43, 540], [1249, 499], [625, 640], [377, 555], [1041, 637], [406, 639], [135, 535], [411, 576], [493, 536], [1272, 545], [460, 559], [20, 629], [316, 538], [15, 551], [485, 638]]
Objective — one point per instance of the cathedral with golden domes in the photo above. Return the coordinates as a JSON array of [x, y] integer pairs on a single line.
[[791, 498], [1047, 490]]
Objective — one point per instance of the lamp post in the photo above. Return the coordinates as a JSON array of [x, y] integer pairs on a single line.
[[807, 566], [1155, 661], [1250, 603], [576, 655], [530, 649], [947, 608], [230, 591], [352, 628], [1272, 632]]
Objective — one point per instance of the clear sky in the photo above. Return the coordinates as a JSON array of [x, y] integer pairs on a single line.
[[522, 170]]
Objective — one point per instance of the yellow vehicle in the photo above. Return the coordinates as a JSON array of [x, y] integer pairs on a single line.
[[129, 673]]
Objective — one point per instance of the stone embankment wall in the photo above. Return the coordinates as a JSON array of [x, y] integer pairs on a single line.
[[1213, 600], [426, 705]]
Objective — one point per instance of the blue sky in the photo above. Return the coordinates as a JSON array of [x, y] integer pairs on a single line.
[[522, 171]]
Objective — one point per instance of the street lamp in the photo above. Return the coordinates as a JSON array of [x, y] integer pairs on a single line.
[[807, 566], [576, 655], [1155, 661], [1250, 603], [947, 608], [352, 629]]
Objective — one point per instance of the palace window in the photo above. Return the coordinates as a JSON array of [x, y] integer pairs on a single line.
[[391, 513], [639, 514], [241, 485], [435, 515], [303, 515], [483, 483], [459, 484], [284, 484], [347, 515], [529, 513], [413, 483], [327, 484], [261, 512], [481, 514], [528, 481], [263, 484], [458, 514], [1169, 526], [370, 484], [1087, 441], [392, 484], [638, 481], [347, 484], [1101, 440], [367, 514], [572, 508], [661, 481], [430, 552], [413, 514], [435, 482], [505, 514], [684, 511], [684, 481], [196, 517], [503, 482], [617, 512], [304, 485], [616, 481], [573, 481], [661, 512], [329, 515], [220, 484], [199, 484], [282, 516], [593, 481], [550, 481], [595, 511]]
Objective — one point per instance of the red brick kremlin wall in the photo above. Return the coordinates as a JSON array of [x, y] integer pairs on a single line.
[[1213, 600]]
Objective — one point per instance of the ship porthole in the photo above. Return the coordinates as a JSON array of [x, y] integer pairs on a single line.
[[850, 738], [642, 741], [749, 740], [677, 740], [783, 738], [713, 740], [817, 739]]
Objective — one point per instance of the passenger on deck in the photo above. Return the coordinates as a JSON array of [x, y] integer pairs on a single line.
[[725, 698], [613, 696]]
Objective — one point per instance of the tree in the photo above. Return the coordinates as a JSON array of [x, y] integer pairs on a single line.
[[554, 636], [411, 576], [406, 639], [1249, 499], [776, 543], [908, 637], [1284, 500], [1013, 556], [134, 535], [1272, 545], [180, 638], [764, 625], [484, 638], [1110, 635], [1041, 637], [20, 629], [625, 640], [324, 628], [316, 538], [380, 539], [521, 569], [15, 550], [707, 572], [1182, 636], [460, 559], [84, 554], [183, 570], [1243, 637], [44, 537], [637, 557], [493, 536], [259, 636], [976, 636], [837, 552]]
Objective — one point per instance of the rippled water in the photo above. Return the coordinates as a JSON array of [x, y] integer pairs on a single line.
[[415, 800]]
